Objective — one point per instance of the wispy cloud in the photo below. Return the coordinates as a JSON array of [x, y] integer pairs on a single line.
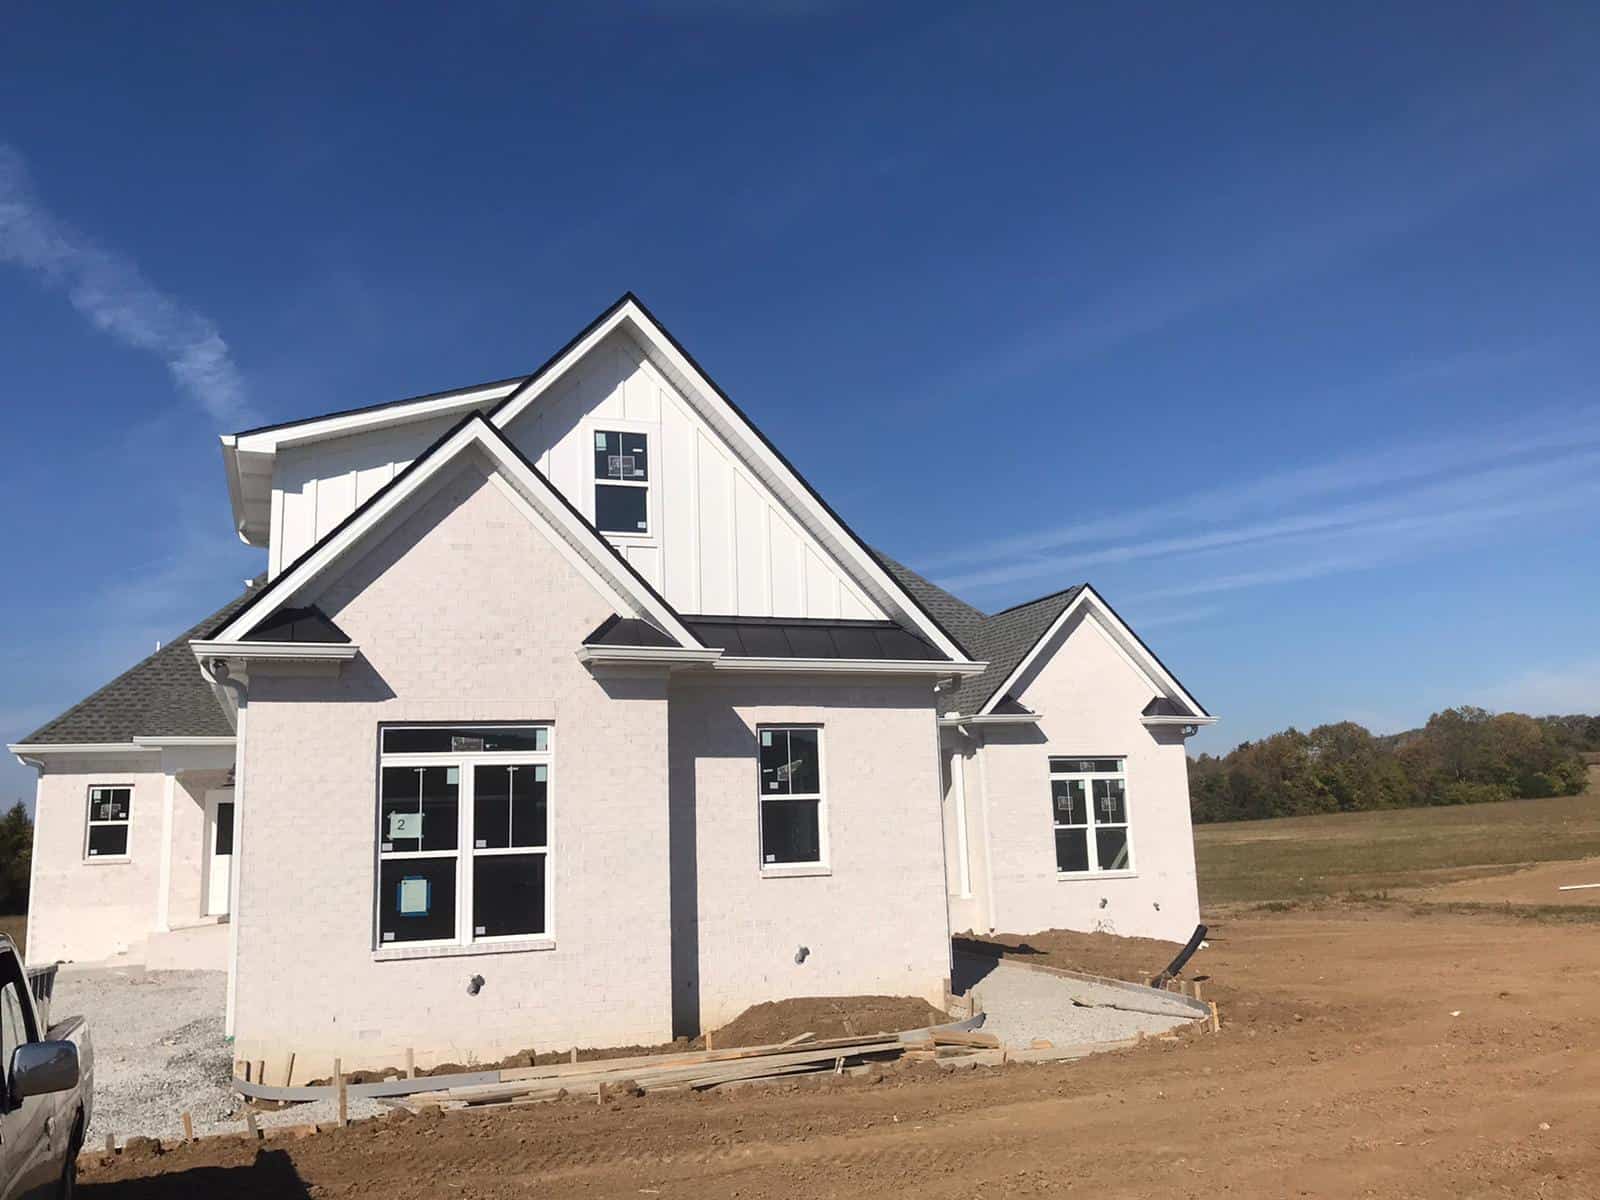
[[1570, 688], [112, 293]]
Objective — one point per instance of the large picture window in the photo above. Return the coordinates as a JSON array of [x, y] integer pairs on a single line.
[[463, 834], [792, 819], [621, 482], [1089, 807], [110, 813]]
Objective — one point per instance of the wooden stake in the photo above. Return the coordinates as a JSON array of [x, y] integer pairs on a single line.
[[708, 1039], [1197, 989], [1216, 1019], [246, 1065], [250, 1122], [574, 1054], [600, 1092], [188, 1128], [288, 1071], [411, 1063], [111, 1144], [344, 1100], [261, 1070]]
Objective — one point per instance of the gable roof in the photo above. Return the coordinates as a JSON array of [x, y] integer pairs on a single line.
[[591, 553], [161, 696], [1008, 640], [627, 312]]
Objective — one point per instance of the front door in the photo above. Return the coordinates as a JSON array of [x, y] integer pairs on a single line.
[[220, 881]]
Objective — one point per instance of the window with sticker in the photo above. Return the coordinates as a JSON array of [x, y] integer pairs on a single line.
[[1089, 809], [621, 482], [463, 834], [791, 803]]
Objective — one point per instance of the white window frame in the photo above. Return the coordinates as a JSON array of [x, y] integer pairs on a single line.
[[465, 761], [823, 863], [1090, 824], [650, 431], [90, 823]]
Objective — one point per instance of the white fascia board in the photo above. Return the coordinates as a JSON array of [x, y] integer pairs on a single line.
[[1158, 721], [204, 651], [850, 666], [1028, 718], [34, 750], [637, 655], [1125, 640], [655, 339], [320, 429], [568, 529]]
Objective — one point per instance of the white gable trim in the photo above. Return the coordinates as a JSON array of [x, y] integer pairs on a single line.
[[1122, 638], [567, 530], [737, 430]]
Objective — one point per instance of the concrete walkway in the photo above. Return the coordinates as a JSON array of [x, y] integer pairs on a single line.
[[1023, 1004]]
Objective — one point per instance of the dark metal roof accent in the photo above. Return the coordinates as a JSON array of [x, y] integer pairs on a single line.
[[628, 631], [1163, 706], [162, 696], [382, 404], [298, 625], [795, 637]]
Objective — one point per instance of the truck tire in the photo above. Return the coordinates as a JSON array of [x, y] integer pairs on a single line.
[[67, 1189]]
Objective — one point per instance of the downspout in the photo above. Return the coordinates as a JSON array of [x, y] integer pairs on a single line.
[[958, 784], [33, 863], [217, 673], [988, 829]]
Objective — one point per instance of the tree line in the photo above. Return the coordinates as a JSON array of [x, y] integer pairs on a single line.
[[16, 859], [1461, 756]]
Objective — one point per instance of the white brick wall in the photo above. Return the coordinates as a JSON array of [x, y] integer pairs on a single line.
[[1091, 698], [84, 909], [463, 613], [874, 925]]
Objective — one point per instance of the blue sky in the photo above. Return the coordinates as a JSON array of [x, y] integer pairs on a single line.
[[1279, 327]]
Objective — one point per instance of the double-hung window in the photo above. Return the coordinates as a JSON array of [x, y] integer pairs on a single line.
[[1089, 806], [110, 810], [792, 818], [463, 834], [621, 482]]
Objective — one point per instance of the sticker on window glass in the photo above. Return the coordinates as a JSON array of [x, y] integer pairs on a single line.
[[540, 774], [482, 844], [404, 825], [387, 936], [766, 737], [452, 776], [599, 441], [480, 930], [411, 896], [772, 858], [385, 847]]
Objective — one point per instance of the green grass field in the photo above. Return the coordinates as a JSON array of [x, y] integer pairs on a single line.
[[1302, 858]]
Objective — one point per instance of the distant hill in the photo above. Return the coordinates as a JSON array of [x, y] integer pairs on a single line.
[[1461, 756]]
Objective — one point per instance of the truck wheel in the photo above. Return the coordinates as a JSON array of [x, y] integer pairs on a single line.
[[67, 1189]]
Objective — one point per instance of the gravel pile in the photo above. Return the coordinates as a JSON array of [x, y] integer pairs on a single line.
[[160, 1051], [1022, 1005]]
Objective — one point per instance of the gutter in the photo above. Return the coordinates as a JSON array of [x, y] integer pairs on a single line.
[[207, 651], [217, 674], [1027, 718]]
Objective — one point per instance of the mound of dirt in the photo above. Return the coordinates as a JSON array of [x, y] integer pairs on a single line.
[[826, 1016]]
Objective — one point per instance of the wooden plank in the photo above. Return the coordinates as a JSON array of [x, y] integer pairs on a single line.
[[344, 1093], [411, 1063], [250, 1122], [188, 1128], [984, 1041], [797, 1039], [288, 1071]]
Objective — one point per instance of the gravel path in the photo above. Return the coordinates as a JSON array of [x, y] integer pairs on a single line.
[[1022, 1005], [160, 1052]]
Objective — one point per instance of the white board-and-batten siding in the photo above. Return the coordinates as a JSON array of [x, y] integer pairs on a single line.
[[720, 541]]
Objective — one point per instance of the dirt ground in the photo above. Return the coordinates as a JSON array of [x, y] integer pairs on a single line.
[[1535, 885], [1365, 1051]]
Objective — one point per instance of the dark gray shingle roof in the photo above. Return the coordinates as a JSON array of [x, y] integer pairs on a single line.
[[791, 637], [1002, 640], [162, 696]]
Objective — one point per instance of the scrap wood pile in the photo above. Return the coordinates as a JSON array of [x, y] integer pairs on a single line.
[[706, 1069]]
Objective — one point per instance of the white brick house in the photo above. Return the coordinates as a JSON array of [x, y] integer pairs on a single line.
[[566, 712]]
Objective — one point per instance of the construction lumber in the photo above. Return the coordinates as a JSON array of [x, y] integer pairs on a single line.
[[984, 1041]]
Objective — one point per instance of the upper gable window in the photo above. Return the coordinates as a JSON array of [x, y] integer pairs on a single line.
[[621, 482]]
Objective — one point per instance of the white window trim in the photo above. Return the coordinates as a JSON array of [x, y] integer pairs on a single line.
[[651, 431], [465, 941], [1088, 778], [824, 863], [90, 823]]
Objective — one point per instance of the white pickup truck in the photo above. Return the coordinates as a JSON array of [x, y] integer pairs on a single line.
[[46, 1097]]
